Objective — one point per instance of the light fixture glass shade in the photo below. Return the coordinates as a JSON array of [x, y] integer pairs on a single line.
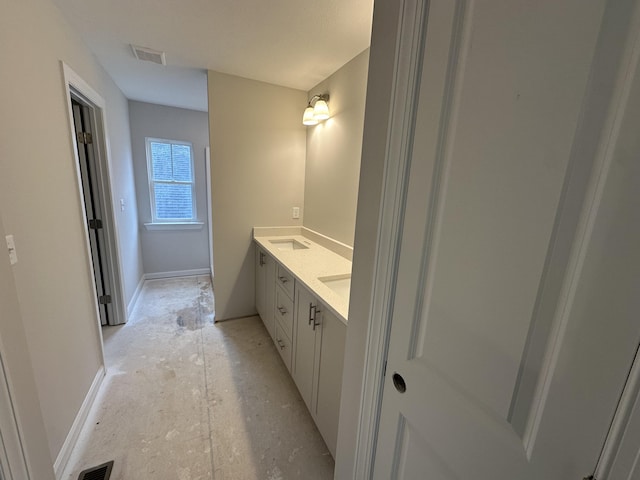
[[321, 110], [309, 118]]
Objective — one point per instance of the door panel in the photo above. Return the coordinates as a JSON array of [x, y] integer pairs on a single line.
[[501, 94], [91, 192]]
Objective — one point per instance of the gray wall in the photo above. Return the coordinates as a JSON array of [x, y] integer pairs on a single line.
[[334, 148], [170, 250], [257, 163], [41, 205], [123, 187]]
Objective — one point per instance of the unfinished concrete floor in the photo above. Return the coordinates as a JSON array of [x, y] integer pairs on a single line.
[[186, 399]]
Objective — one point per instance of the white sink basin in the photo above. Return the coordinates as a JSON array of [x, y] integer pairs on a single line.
[[340, 284], [288, 244]]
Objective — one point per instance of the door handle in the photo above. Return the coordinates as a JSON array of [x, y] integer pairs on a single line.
[[282, 310], [315, 316], [400, 384], [281, 344], [283, 279]]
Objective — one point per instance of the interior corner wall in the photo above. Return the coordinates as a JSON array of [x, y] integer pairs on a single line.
[[334, 148], [123, 188], [257, 176], [22, 386], [41, 204], [166, 251]]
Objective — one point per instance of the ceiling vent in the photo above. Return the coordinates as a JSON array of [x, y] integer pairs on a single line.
[[149, 55]]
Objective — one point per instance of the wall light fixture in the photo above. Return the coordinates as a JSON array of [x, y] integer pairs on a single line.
[[317, 110]]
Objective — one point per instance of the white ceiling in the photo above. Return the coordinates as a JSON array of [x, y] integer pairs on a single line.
[[294, 43]]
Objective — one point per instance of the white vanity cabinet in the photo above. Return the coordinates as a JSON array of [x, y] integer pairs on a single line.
[[318, 360], [308, 334], [266, 289]]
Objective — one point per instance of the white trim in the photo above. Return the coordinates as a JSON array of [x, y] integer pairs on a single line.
[[135, 296], [152, 182], [69, 444], [174, 226], [73, 80], [400, 125], [207, 169], [12, 452], [177, 273]]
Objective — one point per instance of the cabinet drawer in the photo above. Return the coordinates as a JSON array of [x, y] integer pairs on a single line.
[[285, 280], [283, 345], [284, 311]]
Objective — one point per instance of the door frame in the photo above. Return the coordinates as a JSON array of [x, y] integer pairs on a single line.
[[75, 84], [207, 169], [407, 64], [407, 30], [12, 451]]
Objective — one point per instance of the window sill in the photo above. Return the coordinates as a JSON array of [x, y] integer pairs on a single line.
[[174, 226]]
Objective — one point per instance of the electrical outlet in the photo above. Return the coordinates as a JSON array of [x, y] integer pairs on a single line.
[[296, 212], [11, 246]]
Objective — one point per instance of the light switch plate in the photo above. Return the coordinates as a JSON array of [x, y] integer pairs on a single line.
[[122, 204], [296, 212], [11, 246]]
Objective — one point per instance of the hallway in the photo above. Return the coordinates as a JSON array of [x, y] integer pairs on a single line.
[[186, 399]]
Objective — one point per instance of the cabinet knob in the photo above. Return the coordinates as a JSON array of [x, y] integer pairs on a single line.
[[282, 311], [283, 279], [281, 344]]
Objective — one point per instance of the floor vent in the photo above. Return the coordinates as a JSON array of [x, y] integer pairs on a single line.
[[101, 472]]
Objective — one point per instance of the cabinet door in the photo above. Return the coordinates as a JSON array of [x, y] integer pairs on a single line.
[[307, 339], [260, 282], [265, 289], [334, 334], [283, 345]]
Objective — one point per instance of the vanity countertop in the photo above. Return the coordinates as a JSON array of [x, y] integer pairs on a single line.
[[309, 265]]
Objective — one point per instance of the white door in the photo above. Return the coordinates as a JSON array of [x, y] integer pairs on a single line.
[[502, 365]]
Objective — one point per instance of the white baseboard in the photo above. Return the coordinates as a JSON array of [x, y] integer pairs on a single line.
[[134, 297], [69, 444], [177, 273]]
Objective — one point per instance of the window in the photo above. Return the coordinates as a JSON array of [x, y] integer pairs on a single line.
[[171, 183]]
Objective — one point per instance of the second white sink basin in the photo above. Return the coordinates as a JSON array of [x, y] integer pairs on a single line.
[[288, 244], [340, 284]]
